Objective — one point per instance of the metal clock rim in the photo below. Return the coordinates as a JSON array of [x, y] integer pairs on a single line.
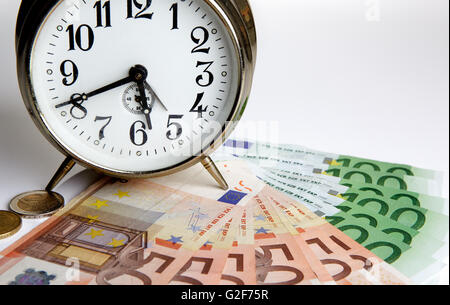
[[243, 35]]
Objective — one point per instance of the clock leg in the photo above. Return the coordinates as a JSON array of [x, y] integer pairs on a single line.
[[209, 165], [38, 204], [62, 171]]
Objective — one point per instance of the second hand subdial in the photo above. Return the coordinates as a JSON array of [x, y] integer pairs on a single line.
[[137, 74]]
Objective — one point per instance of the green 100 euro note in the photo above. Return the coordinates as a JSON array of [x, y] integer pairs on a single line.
[[400, 233], [331, 160], [345, 175], [403, 208], [353, 189]]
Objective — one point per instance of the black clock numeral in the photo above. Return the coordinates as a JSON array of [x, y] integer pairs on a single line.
[[200, 41], [131, 4], [78, 111], [198, 108], [107, 8], [201, 77], [69, 77], [108, 119], [78, 35], [174, 10], [138, 128], [179, 129]]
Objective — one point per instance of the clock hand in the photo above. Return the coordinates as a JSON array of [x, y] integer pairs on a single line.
[[86, 96], [143, 101], [156, 96], [136, 74]]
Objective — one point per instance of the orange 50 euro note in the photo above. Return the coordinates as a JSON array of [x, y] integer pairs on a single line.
[[116, 233]]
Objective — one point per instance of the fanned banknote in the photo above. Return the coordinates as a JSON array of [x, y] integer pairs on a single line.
[[127, 233], [346, 175], [312, 163], [395, 242], [358, 265], [353, 189], [180, 230], [378, 204], [331, 160], [240, 265]]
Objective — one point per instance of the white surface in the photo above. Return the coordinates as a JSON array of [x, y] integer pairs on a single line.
[[334, 75]]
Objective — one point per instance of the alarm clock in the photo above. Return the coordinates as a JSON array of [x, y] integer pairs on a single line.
[[135, 88]]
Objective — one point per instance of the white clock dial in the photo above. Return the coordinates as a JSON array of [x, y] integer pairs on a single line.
[[189, 63]]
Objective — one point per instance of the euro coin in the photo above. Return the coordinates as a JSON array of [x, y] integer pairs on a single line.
[[37, 204], [10, 224]]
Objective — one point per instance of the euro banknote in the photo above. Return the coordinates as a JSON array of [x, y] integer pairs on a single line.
[[433, 203], [398, 242], [403, 201], [333, 247], [212, 256], [181, 230], [345, 175], [353, 189], [409, 219], [240, 265], [276, 251], [402, 206], [332, 160], [127, 233], [248, 237]]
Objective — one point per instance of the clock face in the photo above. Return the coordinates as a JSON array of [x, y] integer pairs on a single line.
[[135, 86]]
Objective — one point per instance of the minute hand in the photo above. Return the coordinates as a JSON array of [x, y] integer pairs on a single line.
[[85, 96]]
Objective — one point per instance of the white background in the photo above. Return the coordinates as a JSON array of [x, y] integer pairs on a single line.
[[366, 78]]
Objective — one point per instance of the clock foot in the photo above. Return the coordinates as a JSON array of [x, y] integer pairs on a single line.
[[62, 171], [38, 204], [209, 165]]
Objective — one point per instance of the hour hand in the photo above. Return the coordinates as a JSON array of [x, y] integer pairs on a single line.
[[143, 101]]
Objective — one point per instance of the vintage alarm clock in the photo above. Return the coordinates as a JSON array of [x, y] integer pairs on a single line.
[[134, 88]]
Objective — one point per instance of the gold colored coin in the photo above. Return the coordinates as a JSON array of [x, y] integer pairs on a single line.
[[10, 224], [37, 204]]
